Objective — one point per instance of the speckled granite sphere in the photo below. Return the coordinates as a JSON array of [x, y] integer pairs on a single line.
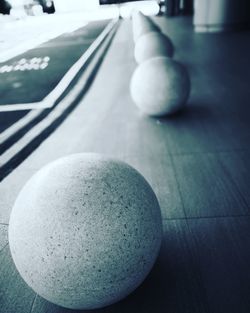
[[85, 231], [142, 24], [151, 45], [160, 86]]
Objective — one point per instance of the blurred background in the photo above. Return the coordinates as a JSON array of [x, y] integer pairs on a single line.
[[20, 8], [27, 23]]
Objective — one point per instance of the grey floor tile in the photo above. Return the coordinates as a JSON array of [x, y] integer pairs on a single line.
[[3, 236], [158, 170], [222, 252], [196, 130], [15, 295], [237, 165], [206, 188]]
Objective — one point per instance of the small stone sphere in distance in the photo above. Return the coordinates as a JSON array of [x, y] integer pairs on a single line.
[[142, 24], [151, 45], [160, 86], [85, 231]]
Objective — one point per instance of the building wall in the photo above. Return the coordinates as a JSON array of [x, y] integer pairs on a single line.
[[221, 14]]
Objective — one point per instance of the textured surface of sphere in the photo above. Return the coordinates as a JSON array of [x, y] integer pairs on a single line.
[[85, 231], [142, 25], [160, 86], [151, 45]]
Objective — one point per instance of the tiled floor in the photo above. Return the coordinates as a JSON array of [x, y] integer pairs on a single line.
[[197, 162]]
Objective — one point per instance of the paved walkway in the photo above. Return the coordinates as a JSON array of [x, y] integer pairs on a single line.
[[31, 76], [198, 163], [20, 139], [18, 36]]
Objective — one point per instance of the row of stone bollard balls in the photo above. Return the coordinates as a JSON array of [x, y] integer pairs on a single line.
[[160, 85], [86, 229]]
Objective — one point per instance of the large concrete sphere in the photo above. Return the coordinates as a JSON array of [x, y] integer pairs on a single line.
[[85, 231], [142, 24], [160, 86], [151, 45]]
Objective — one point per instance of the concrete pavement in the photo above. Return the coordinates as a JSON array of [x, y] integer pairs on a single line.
[[19, 140], [34, 74], [19, 35], [197, 163]]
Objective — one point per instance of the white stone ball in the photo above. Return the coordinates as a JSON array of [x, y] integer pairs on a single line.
[[142, 24], [85, 231], [151, 45], [160, 86]]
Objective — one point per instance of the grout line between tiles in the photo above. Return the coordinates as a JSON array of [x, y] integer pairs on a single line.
[[205, 217]]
